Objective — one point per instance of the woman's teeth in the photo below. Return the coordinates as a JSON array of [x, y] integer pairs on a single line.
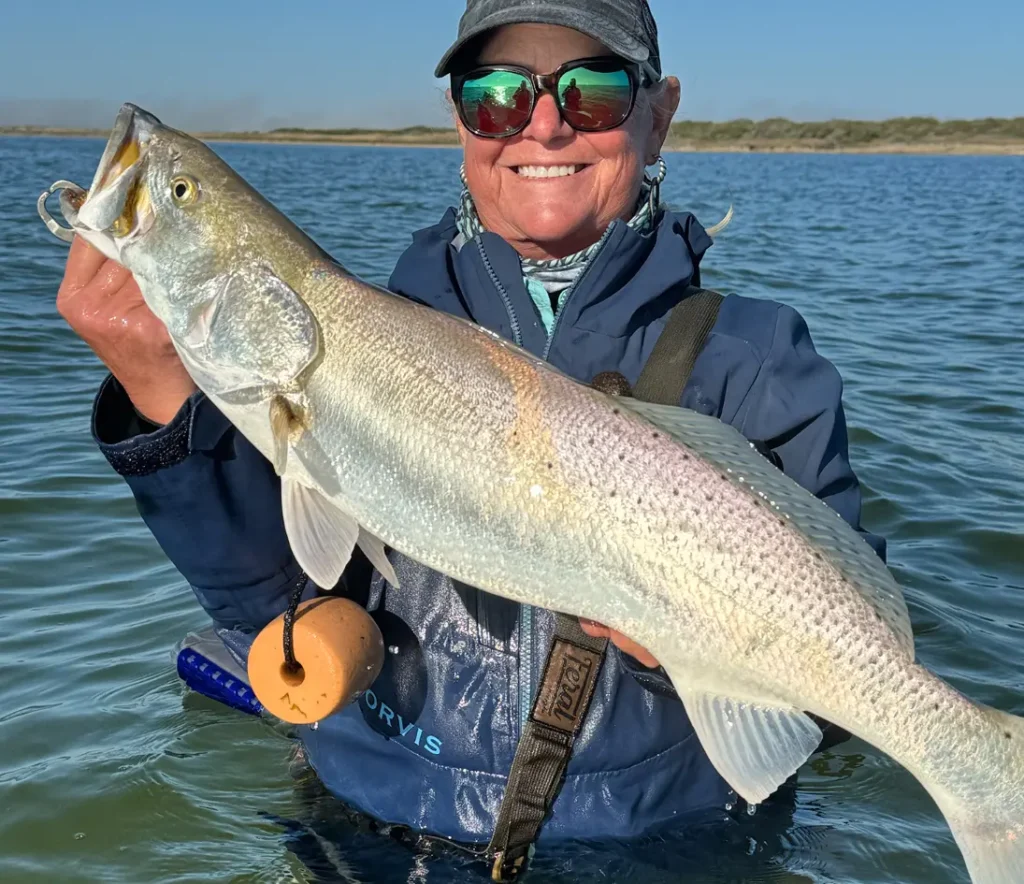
[[547, 171]]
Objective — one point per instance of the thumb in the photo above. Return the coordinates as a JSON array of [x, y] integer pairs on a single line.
[[84, 262]]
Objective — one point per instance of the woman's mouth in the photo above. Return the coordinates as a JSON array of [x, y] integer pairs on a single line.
[[548, 171]]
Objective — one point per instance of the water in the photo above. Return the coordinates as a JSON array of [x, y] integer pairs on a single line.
[[909, 273]]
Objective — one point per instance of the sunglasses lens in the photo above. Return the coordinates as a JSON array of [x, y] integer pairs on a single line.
[[497, 102], [595, 96]]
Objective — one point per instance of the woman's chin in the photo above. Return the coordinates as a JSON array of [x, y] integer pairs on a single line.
[[560, 234]]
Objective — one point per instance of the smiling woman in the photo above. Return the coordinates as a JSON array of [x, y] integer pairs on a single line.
[[560, 243], [552, 162]]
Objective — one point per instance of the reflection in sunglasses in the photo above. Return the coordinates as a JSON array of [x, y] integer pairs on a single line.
[[501, 102]]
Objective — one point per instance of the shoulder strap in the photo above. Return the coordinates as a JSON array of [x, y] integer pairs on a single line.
[[574, 661], [566, 685], [669, 366]]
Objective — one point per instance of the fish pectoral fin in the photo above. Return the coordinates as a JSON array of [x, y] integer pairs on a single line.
[[755, 747], [321, 535], [374, 549]]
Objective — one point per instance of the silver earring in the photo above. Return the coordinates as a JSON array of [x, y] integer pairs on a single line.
[[654, 184]]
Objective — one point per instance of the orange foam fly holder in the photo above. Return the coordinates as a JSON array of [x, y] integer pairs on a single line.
[[339, 651]]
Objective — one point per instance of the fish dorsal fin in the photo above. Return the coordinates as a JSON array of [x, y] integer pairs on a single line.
[[756, 747], [730, 452]]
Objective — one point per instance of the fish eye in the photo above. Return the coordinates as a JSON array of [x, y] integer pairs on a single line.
[[184, 190]]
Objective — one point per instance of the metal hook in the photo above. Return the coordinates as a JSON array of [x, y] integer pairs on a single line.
[[65, 234]]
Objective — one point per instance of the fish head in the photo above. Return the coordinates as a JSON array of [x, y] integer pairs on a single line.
[[214, 260], [162, 204]]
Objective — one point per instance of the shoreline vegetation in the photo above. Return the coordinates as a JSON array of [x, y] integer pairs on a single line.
[[917, 135]]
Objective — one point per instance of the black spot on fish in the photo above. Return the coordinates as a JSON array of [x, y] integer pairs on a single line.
[[686, 456], [639, 500], [723, 477], [615, 411], [551, 466], [656, 435], [936, 707], [622, 457], [675, 492], [1008, 735], [613, 492]]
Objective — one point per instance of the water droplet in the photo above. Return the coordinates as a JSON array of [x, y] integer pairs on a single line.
[[315, 726], [728, 806], [392, 649], [79, 836], [751, 809]]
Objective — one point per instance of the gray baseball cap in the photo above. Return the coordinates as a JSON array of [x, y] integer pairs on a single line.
[[625, 26]]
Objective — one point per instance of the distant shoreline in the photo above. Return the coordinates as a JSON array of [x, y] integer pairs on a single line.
[[906, 135]]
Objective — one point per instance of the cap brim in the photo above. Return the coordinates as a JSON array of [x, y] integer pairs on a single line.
[[597, 27]]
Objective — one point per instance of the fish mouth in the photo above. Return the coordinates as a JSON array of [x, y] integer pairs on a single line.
[[118, 203]]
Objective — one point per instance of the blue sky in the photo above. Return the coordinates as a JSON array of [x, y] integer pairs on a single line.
[[230, 65]]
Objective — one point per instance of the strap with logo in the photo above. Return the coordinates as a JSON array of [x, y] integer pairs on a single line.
[[566, 686]]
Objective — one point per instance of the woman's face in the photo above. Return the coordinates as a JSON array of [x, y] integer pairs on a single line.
[[550, 217]]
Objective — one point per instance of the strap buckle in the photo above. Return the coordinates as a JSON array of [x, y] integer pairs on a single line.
[[505, 870]]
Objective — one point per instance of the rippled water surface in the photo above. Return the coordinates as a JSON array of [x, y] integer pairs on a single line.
[[910, 273]]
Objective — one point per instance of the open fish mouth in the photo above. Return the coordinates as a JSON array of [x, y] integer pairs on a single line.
[[117, 201]]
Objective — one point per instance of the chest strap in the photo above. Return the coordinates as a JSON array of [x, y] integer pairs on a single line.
[[566, 685], [574, 660]]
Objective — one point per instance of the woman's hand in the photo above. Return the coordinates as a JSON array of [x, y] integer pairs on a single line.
[[620, 641], [101, 302]]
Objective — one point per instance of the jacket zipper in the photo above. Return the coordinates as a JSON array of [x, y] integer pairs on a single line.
[[517, 333], [525, 611]]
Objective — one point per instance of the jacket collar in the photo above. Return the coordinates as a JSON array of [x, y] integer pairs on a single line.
[[633, 279]]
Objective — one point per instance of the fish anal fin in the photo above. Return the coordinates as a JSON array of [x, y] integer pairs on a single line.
[[756, 747]]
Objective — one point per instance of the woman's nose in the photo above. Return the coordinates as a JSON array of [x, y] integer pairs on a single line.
[[547, 124]]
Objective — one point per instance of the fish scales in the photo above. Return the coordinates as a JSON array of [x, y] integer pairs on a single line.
[[394, 424]]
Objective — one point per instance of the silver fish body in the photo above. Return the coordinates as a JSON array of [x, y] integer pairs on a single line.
[[393, 424]]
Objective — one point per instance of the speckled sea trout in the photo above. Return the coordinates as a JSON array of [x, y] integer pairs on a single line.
[[393, 424]]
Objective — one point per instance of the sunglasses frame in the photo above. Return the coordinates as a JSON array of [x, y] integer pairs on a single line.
[[638, 75]]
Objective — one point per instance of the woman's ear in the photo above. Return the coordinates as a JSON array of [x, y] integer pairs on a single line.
[[664, 100], [460, 130]]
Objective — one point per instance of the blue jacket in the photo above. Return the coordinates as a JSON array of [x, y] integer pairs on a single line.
[[429, 746]]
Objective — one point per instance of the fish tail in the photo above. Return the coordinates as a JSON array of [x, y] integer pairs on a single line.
[[986, 812]]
